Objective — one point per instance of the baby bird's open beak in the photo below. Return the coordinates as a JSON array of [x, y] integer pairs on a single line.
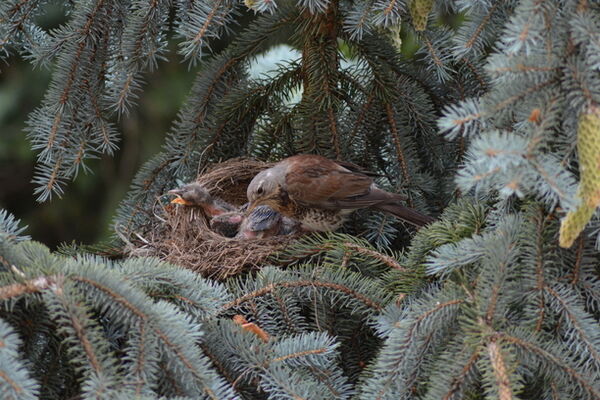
[[178, 199]]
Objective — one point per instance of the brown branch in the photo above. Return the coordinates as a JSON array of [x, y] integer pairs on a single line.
[[475, 73], [13, 384], [140, 360], [77, 325], [578, 258], [523, 94], [76, 64], [411, 332], [591, 347], [435, 309], [396, 136], [218, 365], [334, 132], [539, 272], [202, 31], [361, 116], [284, 311], [390, 7], [548, 356], [522, 68], [385, 259], [300, 354], [151, 10], [480, 27], [270, 288], [459, 380], [125, 303], [494, 297], [32, 286], [434, 56], [466, 119], [500, 371]]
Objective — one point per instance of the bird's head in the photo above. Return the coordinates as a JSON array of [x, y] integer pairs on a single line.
[[192, 194], [265, 189], [262, 222], [262, 218]]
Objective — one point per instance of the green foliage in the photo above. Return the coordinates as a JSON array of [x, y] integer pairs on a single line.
[[482, 303], [504, 311], [141, 326]]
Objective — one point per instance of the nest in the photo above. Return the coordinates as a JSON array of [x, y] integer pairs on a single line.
[[182, 235]]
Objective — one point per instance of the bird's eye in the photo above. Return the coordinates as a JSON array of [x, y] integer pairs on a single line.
[[259, 190]]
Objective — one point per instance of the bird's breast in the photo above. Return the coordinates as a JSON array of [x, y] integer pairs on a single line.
[[321, 220]]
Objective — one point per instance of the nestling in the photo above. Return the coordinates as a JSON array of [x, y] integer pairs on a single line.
[[262, 222], [227, 224], [194, 194]]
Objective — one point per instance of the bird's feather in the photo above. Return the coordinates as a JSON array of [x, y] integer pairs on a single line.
[[322, 183]]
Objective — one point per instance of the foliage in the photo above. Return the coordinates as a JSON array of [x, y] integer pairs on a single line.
[[483, 303], [515, 317]]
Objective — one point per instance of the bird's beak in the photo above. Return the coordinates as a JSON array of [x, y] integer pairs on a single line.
[[252, 206], [179, 200]]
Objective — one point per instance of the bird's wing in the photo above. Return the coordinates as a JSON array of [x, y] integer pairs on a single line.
[[262, 218], [357, 168], [326, 185]]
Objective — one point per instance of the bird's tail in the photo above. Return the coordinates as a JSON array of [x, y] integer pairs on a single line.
[[407, 214]]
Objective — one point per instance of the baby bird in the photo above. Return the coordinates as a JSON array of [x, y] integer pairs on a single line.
[[196, 195], [261, 223], [289, 226], [227, 224]]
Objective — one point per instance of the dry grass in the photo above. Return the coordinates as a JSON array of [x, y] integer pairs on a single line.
[[181, 235]]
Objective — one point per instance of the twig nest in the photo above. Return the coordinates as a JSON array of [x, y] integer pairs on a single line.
[[183, 235]]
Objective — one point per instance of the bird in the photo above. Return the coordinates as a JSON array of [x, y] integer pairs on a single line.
[[289, 226], [227, 224], [194, 194], [320, 193], [261, 222]]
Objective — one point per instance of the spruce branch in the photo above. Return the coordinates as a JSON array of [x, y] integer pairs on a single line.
[[501, 371], [529, 346], [87, 346], [28, 287], [15, 380], [454, 384], [302, 284], [336, 245], [580, 327]]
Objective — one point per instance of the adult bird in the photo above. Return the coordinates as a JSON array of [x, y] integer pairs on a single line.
[[321, 193]]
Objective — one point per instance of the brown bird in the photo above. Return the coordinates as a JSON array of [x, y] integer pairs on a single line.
[[321, 193], [194, 194]]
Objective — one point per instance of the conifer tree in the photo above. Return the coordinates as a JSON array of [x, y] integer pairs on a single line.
[[493, 125]]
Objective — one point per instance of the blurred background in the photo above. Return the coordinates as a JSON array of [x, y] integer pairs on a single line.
[[85, 211]]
